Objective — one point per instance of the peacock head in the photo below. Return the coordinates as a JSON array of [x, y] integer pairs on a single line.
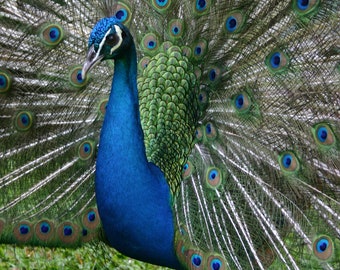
[[107, 40]]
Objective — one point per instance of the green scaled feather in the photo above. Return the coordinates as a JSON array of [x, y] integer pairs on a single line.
[[169, 111]]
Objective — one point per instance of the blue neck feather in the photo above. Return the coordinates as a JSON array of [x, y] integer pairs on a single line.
[[133, 196]]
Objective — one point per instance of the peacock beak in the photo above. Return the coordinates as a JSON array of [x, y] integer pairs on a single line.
[[92, 59]]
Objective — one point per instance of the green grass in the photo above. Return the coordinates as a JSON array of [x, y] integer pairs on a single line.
[[87, 257]]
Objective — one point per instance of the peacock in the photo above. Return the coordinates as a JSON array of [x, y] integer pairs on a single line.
[[197, 134]]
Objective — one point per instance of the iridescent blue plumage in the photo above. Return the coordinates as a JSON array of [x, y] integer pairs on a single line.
[[124, 177]]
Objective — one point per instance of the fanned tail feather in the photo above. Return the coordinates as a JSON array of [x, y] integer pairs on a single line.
[[49, 124], [262, 184]]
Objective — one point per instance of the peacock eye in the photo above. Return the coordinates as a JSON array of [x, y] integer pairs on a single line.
[[112, 40]]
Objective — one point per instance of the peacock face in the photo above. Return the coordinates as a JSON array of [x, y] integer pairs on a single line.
[[107, 40]]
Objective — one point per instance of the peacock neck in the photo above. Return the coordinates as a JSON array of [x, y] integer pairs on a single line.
[[133, 197], [122, 112]]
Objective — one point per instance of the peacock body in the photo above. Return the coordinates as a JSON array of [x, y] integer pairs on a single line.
[[218, 149]]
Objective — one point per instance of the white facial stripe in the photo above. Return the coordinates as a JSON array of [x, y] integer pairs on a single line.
[[119, 33], [102, 43]]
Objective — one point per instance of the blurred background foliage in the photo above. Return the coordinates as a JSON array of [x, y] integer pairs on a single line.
[[90, 256]]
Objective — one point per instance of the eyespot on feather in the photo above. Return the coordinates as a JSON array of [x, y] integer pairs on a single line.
[[201, 7], [6, 80], [51, 34], [323, 135], [187, 169], [234, 22], [289, 162], [123, 13], [91, 219], [200, 49], [199, 134], [75, 78], [24, 120], [68, 232], [176, 29], [277, 61], [241, 102], [213, 177], [180, 250], [210, 131], [203, 100], [181, 239], [143, 63], [161, 5], [303, 7], [215, 262], [102, 107], [214, 74], [23, 231], [323, 248], [150, 43], [44, 230], [195, 259], [86, 149]]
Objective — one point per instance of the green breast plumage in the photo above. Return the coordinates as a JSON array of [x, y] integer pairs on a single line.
[[168, 108]]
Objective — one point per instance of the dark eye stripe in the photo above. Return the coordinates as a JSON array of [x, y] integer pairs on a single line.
[[112, 40]]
